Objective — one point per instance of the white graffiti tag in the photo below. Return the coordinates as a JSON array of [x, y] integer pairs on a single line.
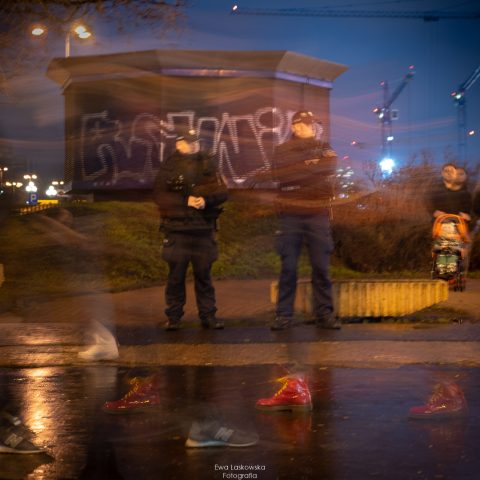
[[117, 151]]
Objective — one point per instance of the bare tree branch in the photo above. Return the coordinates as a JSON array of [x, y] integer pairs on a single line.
[[161, 17]]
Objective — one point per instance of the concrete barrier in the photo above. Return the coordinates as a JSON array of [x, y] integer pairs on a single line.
[[372, 298]]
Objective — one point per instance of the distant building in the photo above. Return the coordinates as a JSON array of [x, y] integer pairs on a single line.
[[122, 110]]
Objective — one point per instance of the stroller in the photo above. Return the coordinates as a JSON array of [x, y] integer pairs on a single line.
[[449, 250]]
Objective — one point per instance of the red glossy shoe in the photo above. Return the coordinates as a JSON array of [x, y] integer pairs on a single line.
[[294, 395], [447, 401], [143, 395]]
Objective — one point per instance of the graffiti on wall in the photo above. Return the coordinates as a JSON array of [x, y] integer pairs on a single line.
[[113, 152]]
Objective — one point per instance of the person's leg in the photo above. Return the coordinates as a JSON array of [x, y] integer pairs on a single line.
[[205, 252], [176, 253], [288, 245], [320, 247], [175, 295]]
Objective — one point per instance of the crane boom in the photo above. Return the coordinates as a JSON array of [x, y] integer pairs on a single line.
[[384, 112], [470, 80], [461, 104], [399, 89], [427, 16]]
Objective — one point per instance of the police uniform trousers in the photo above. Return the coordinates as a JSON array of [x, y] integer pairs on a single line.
[[313, 230], [179, 250]]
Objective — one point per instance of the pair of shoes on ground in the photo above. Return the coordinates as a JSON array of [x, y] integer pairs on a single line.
[[446, 401], [144, 395], [294, 395], [14, 436], [206, 322], [330, 322], [103, 345]]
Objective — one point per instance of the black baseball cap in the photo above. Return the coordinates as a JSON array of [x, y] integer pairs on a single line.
[[304, 116], [189, 136]]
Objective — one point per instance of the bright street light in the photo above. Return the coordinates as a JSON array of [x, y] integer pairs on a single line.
[[51, 192], [31, 187], [78, 29], [14, 185], [30, 177], [387, 165], [38, 31]]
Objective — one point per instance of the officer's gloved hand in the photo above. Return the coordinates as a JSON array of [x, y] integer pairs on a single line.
[[196, 202]]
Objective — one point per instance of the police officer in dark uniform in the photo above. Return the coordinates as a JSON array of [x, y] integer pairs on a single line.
[[189, 191], [304, 170]]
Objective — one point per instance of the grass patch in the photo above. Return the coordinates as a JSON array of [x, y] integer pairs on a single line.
[[114, 246]]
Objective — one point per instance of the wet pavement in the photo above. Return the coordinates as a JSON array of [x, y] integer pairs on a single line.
[[382, 345], [358, 428], [363, 380]]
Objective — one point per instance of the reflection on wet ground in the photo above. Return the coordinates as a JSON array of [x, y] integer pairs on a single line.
[[358, 428], [65, 334]]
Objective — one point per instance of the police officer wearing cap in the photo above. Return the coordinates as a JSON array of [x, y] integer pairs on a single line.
[[304, 169], [189, 192]]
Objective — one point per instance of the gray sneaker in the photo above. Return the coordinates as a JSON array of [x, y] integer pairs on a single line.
[[214, 434], [12, 440]]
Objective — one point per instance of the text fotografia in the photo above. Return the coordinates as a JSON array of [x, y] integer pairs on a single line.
[[239, 472]]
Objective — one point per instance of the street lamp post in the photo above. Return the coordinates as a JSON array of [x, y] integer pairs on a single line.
[[78, 29], [14, 185], [31, 187], [54, 188], [2, 170], [51, 191]]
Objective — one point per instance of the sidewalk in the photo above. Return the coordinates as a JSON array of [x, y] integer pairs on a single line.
[[52, 333]]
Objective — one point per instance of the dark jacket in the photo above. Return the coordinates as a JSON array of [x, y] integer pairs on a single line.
[[303, 189], [449, 201], [181, 176], [476, 202]]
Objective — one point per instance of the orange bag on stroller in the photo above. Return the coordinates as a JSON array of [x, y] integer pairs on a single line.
[[450, 238]]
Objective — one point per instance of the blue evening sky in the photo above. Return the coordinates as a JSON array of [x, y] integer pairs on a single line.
[[444, 53]]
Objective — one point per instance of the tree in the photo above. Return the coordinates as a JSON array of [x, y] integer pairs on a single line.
[[18, 16]]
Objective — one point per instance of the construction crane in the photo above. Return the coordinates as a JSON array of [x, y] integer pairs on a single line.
[[427, 16], [460, 102], [385, 114]]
